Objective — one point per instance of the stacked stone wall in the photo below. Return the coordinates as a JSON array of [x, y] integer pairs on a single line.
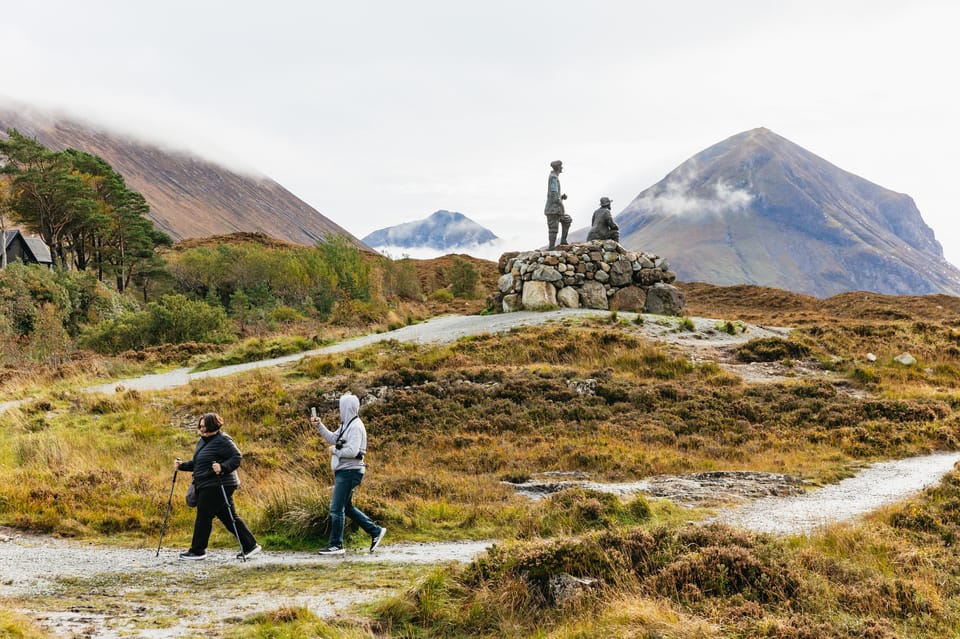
[[600, 274]]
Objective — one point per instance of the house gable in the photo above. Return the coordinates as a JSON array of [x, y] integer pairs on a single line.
[[28, 250]]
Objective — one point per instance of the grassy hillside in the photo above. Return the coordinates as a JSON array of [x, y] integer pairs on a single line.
[[448, 424]]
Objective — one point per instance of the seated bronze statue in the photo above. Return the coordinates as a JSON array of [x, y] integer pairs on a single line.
[[602, 225]]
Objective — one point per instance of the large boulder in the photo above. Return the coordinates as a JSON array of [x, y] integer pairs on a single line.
[[664, 299], [568, 297], [629, 298], [506, 283], [593, 295], [511, 303], [621, 273], [537, 294]]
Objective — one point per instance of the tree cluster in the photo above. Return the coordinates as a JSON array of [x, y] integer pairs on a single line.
[[81, 208], [104, 249]]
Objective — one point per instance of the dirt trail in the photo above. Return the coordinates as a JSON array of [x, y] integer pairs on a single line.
[[450, 328], [875, 486], [32, 563]]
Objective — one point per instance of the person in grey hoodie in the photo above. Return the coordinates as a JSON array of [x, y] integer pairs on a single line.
[[348, 445]]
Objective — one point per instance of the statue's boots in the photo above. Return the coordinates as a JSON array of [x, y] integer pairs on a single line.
[[564, 227], [553, 241]]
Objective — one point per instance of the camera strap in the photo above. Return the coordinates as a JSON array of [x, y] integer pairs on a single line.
[[343, 431]]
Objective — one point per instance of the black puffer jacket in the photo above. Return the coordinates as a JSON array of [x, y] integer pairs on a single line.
[[218, 447]]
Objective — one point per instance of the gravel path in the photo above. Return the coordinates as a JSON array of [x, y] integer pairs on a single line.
[[450, 328], [32, 564], [447, 328], [877, 485]]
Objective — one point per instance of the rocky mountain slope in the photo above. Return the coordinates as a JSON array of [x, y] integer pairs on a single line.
[[759, 209], [188, 196], [443, 230]]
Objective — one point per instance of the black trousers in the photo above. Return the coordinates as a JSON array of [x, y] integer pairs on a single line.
[[210, 504]]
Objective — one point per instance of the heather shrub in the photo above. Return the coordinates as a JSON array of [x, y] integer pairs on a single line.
[[771, 349]]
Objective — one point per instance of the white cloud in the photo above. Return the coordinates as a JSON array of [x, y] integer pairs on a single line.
[[680, 198]]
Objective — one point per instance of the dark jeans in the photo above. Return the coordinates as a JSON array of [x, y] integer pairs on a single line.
[[210, 504], [344, 483]]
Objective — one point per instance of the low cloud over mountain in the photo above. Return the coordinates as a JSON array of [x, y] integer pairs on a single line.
[[188, 196]]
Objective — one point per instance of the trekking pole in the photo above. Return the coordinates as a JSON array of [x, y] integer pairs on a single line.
[[166, 516], [233, 519]]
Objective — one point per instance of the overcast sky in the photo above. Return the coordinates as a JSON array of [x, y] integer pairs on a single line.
[[378, 113]]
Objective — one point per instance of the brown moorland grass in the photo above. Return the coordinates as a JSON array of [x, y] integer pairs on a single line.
[[448, 424], [780, 307], [892, 576]]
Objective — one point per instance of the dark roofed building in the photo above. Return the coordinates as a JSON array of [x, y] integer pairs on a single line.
[[29, 250]]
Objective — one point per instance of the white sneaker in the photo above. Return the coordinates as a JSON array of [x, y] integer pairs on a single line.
[[250, 553], [332, 550], [376, 540]]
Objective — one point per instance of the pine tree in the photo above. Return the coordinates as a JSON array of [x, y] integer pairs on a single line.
[[48, 197]]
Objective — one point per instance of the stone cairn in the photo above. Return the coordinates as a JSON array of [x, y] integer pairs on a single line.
[[599, 274]]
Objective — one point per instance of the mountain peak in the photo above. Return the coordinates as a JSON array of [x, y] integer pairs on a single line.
[[444, 216], [442, 230], [757, 208]]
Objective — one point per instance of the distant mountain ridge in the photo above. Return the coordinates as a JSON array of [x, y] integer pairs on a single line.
[[442, 230], [759, 209], [189, 197]]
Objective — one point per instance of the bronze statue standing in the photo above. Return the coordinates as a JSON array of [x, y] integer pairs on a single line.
[[554, 210]]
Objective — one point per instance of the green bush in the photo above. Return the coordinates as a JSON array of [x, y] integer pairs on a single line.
[[464, 278], [285, 314], [400, 279], [76, 298], [297, 277], [352, 271], [442, 295], [174, 319]]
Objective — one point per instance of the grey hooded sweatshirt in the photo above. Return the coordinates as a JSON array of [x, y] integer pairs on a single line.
[[352, 433]]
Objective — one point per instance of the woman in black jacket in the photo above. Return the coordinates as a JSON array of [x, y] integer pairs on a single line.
[[214, 464]]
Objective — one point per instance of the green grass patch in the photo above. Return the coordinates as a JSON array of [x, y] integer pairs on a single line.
[[257, 349]]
